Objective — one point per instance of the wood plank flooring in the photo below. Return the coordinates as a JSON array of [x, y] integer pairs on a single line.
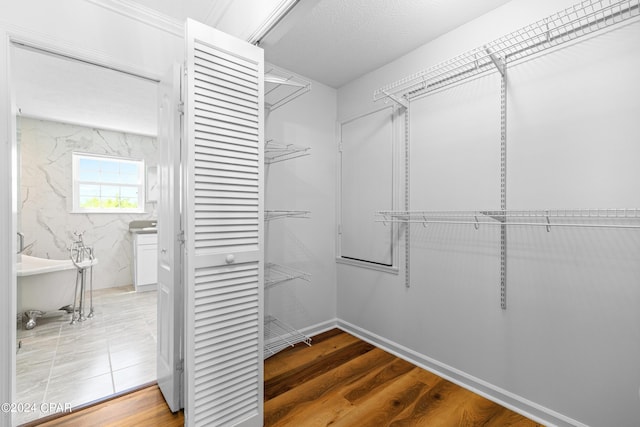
[[343, 381], [339, 381], [145, 407]]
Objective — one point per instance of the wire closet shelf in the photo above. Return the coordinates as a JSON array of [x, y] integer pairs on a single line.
[[278, 336], [275, 151], [277, 273], [574, 22], [270, 215], [589, 218], [282, 87]]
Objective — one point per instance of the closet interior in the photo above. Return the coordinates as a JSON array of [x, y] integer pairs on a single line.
[[476, 214], [280, 89]]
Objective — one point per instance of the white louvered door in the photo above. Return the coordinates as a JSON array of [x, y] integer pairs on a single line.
[[224, 214]]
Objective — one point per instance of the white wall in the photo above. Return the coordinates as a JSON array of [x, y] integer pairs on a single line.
[[306, 183], [46, 193], [571, 329], [82, 28]]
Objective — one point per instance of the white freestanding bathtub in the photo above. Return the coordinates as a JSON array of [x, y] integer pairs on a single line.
[[45, 285]]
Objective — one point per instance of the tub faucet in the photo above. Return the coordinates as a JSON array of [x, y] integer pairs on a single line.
[[21, 240]]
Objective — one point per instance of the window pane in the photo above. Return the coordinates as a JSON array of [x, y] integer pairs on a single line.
[[129, 168], [89, 190], [129, 203], [110, 191], [109, 166], [89, 164], [107, 183], [89, 175], [129, 192], [110, 177], [89, 202]]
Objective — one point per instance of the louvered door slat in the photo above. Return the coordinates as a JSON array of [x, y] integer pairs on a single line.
[[246, 130], [231, 222], [218, 68], [216, 186], [224, 117], [221, 142], [210, 87], [224, 152], [230, 61], [208, 162], [225, 318], [222, 106], [203, 111], [223, 98], [223, 196], [206, 73], [228, 161]]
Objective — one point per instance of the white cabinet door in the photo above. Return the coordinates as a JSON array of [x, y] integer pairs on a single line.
[[224, 218], [147, 265]]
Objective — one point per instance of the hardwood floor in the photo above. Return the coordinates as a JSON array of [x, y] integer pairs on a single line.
[[339, 381], [145, 407], [343, 381]]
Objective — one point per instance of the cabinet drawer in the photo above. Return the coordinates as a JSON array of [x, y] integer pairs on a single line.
[[147, 239]]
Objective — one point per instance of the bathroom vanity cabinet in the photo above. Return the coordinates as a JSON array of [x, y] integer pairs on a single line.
[[145, 261]]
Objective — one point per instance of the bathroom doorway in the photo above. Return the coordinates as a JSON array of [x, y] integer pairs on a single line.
[[67, 106]]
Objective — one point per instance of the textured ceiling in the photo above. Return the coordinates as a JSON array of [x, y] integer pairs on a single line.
[[340, 40]]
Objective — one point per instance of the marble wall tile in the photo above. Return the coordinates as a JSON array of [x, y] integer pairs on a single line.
[[46, 195]]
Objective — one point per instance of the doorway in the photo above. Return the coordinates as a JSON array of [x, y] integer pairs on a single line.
[[64, 106]]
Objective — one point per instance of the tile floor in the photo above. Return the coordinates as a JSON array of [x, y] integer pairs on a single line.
[[76, 364]]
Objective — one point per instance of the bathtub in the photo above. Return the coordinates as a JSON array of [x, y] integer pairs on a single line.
[[45, 285]]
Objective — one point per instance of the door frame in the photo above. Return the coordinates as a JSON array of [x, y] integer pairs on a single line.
[[8, 194]]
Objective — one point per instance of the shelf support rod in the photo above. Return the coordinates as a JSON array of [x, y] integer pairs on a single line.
[[503, 180], [407, 164]]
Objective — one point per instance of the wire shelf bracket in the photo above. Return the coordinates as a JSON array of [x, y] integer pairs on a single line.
[[276, 274], [402, 102], [282, 87], [497, 61], [279, 336]]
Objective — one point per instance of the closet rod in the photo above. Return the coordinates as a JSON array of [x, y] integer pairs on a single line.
[[501, 217], [539, 224]]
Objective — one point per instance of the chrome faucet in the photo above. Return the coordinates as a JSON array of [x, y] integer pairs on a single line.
[[21, 240]]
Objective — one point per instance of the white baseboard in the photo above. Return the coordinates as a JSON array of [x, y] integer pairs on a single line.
[[319, 328], [519, 404]]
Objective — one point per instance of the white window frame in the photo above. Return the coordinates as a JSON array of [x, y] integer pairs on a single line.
[[397, 135], [76, 157]]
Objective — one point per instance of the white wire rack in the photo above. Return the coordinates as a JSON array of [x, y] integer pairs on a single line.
[[589, 218], [275, 152], [579, 20], [276, 274], [278, 336], [278, 214], [282, 87]]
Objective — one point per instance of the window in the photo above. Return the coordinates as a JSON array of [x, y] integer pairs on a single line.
[[366, 186], [107, 184]]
